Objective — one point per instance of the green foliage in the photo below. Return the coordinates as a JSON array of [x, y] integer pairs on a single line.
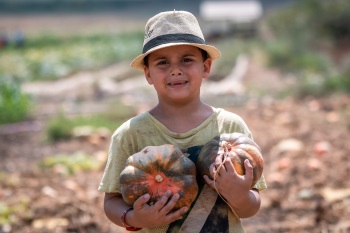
[[4, 213], [69, 164], [331, 17], [320, 86], [294, 57], [14, 105], [11, 213], [232, 47], [340, 82], [61, 127], [50, 57], [300, 35], [313, 20]]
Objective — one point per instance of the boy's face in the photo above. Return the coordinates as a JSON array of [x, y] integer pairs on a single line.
[[177, 72]]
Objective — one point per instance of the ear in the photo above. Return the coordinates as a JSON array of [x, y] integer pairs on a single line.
[[147, 75], [206, 67]]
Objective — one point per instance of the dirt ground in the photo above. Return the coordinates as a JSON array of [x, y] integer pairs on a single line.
[[304, 143]]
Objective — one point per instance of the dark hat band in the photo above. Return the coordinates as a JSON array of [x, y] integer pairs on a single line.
[[172, 38]]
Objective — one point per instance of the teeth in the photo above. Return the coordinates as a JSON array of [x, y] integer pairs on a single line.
[[177, 83]]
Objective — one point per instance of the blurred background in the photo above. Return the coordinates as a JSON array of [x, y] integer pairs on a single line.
[[66, 85]]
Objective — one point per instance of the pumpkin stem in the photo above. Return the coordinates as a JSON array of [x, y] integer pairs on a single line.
[[226, 145], [159, 178]]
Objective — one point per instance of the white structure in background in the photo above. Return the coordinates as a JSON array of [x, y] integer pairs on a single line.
[[226, 17], [236, 11]]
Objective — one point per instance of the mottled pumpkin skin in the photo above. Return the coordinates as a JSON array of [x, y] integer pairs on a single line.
[[241, 147], [166, 163]]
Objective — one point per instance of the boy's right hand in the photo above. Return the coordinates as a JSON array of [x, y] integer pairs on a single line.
[[158, 214]]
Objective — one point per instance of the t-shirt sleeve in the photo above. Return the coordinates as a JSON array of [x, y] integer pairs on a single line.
[[261, 184], [117, 157]]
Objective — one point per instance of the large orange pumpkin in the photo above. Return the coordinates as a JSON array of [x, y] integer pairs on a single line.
[[155, 170], [236, 145]]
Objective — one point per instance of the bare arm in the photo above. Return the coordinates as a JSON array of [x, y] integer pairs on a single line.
[[114, 206], [248, 205], [236, 189]]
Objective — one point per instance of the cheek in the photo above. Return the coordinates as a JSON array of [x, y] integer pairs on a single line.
[[148, 75], [157, 75], [198, 73]]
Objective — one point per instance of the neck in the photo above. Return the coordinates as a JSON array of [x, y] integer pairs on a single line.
[[181, 109], [182, 118]]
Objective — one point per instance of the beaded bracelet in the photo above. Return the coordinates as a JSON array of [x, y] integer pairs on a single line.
[[129, 228]]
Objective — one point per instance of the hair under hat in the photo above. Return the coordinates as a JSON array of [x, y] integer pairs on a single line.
[[172, 28]]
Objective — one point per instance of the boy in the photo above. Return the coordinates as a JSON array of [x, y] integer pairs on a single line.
[[175, 60]]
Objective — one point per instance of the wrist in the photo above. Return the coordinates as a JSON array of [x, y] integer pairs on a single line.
[[124, 222], [246, 205], [239, 200]]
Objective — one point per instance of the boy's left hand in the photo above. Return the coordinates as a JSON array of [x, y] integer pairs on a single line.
[[235, 188], [226, 180]]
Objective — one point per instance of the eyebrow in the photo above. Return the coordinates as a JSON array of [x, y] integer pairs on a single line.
[[159, 58], [189, 55]]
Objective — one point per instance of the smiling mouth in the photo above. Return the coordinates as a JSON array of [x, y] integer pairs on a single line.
[[179, 83]]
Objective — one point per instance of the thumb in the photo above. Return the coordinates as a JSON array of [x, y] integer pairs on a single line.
[[141, 201]]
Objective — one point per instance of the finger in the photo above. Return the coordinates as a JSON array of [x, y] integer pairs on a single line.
[[176, 214], [141, 201], [229, 165], [213, 172], [209, 181], [163, 200], [248, 170], [182, 211], [170, 204], [218, 162]]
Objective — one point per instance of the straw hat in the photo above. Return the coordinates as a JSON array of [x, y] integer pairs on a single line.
[[172, 28]]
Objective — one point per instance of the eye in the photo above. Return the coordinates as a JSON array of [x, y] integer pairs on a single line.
[[187, 60], [162, 62]]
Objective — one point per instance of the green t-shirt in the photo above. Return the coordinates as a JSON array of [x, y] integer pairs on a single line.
[[209, 213]]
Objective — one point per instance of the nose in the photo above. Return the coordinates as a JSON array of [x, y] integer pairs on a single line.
[[176, 70]]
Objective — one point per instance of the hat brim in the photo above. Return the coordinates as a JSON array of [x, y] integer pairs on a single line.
[[213, 53]]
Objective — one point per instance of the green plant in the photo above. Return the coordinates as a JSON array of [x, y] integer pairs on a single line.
[[10, 213], [340, 82], [68, 164], [4, 213], [14, 105], [51, 57], [232, 47], [312, 20], [302, 40], [61, 126], [290, 56]]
